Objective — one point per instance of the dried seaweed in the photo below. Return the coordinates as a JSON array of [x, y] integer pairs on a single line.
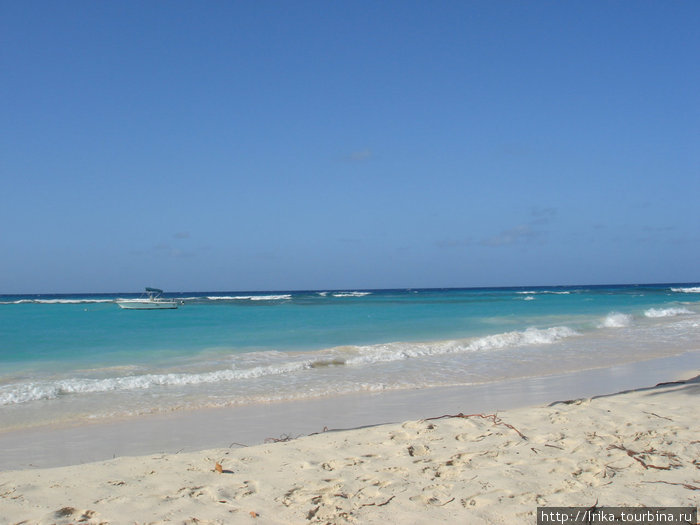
[[637, 457], [493, 417]]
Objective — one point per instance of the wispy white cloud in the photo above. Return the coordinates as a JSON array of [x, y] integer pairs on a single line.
[[522, 232], [359, 156], [527, 232]]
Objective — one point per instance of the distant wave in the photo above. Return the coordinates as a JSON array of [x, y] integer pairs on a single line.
[[249, 297], [534, 292], [691, 289], [58, 301], [351, 294], [666, 312], [340, 356], [616, 320]]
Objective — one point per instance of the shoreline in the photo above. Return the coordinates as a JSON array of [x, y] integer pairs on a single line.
[[189, 431], [633, 448]]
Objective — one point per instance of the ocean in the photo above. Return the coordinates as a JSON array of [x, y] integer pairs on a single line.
[[66, 359]]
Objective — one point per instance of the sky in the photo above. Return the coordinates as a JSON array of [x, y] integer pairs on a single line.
[[260, 145]]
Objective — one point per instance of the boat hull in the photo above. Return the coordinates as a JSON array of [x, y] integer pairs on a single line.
[[141, 304]]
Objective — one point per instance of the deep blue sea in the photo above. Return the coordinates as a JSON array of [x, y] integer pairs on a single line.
[[70, 358]]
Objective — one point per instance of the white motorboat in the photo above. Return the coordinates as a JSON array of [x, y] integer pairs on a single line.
[[151, 300]]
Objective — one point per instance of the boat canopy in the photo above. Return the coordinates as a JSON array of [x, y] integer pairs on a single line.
[[154, 290]]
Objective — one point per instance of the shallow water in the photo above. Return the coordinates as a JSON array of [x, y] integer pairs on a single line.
[[71, 358]]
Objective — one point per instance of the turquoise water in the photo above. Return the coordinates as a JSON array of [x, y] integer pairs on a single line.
[[68, 357]]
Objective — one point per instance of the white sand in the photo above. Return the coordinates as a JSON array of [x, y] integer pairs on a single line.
[[204, 429], [631, 449]]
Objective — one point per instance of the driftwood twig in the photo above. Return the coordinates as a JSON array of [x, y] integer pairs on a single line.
[[377, 504], [492, 417], [684, 485], [657, 415], [282, 439]]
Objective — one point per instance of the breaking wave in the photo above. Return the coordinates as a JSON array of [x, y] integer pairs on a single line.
[[666, 312], [691, 289], [616, 320], [51, 390], [355, 356], [398, 351]]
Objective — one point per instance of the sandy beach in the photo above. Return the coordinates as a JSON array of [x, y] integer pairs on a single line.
[[636, 448]]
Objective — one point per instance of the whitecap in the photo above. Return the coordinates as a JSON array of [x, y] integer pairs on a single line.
[[398, 351], [249, 297], [666, 312], [691, 289], [58, 301], [616, 320]]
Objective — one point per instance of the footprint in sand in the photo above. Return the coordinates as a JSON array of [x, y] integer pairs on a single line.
[[398, 436], [248, 488], [72, 515], [434, 494], [418, 450]]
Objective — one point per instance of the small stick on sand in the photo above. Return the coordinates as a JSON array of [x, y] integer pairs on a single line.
[[684, 485], [657, 415], [378, 504]]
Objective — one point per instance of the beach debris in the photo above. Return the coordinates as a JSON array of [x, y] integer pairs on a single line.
[[553, 446], [657, 415], [325, 429], [254, 514], [684, 485], [220, 469], [282, 439], [493, 417], [379, 504], [637, 456]]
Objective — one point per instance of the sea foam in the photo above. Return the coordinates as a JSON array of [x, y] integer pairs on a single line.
[[666, 312], [347, 355], [22, 393], [398, 351], [616, 320]]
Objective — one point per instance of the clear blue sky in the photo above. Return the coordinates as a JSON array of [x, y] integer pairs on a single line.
[[311, 145]]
